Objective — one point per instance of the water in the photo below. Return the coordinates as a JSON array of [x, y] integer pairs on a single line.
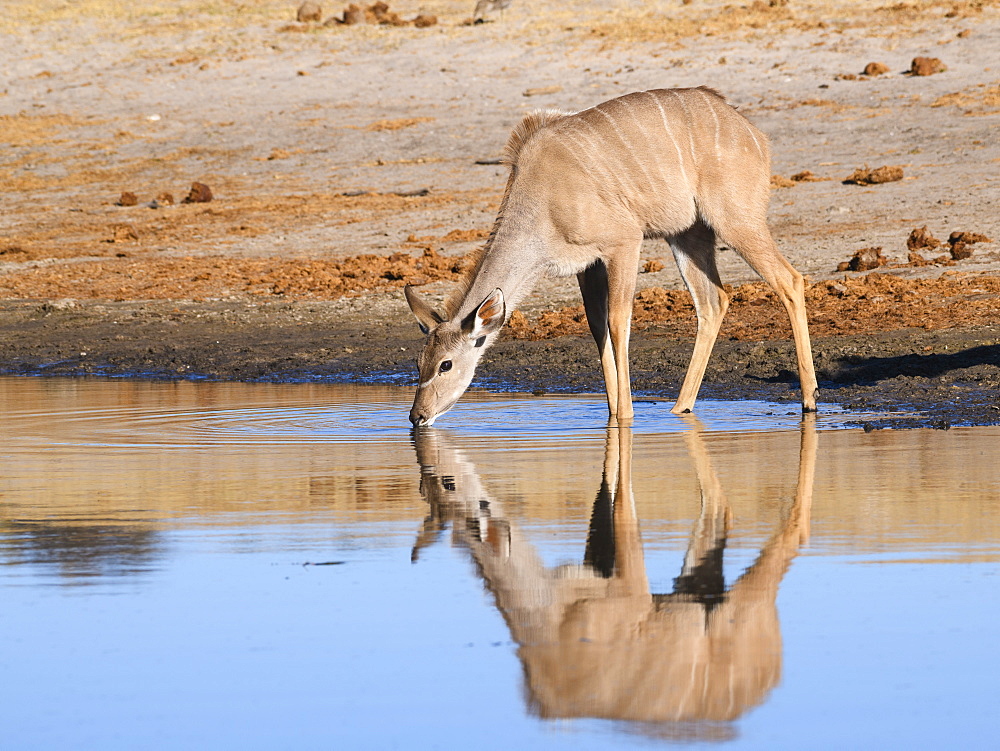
[[265, 566]]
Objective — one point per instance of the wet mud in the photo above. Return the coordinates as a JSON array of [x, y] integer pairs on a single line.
[[917, 377]]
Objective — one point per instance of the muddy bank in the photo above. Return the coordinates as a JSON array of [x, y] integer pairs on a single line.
[[937, 378]]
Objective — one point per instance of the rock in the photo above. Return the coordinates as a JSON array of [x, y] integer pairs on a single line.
[[876, 69], [121, 233], [652, 266], [926, 66], [354, 15], [200, 193], [959, 243], [777, 181], [165, 199], [128, 199], [423, 21], [960, 251], [968, 238], [921, 239], [865, 259], [309, 11]]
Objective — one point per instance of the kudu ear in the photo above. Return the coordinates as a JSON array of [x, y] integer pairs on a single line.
[[487, 318], [427, 317]]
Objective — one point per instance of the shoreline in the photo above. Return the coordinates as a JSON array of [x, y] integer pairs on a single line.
[[935, 378]]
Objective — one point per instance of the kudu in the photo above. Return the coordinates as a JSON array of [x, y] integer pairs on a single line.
[[584, 190], [593, 640]]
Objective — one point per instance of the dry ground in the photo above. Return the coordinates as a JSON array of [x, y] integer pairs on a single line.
[[343, 163]]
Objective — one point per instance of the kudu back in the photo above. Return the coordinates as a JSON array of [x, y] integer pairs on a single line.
[[584, 190]]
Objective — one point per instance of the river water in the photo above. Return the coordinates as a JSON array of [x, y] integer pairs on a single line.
[[286, 566]]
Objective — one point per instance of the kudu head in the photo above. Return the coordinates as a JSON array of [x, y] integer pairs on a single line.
[[452, 350]]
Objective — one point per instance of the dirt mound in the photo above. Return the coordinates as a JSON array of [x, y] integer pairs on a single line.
[[213, 278], [876, 302], [867, 176], [865, 259], [926, 66], [921, 239], [377, 13]]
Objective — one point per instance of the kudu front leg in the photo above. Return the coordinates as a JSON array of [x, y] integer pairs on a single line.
[[594, 289], [623, 265]]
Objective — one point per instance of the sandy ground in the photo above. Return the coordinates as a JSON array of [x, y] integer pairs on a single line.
[[343, 163]]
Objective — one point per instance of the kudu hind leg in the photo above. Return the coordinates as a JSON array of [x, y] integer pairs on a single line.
[[694, 251], [594, 289], [758, 249]]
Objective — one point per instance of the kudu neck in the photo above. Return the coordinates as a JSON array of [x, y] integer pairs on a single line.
[[512, 263]]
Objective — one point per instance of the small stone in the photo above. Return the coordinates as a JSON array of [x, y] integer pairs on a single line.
[[876, 69], [121, 233], [960, 251], [424, 21], [968, 237], [354, 15], [200, 193], [652, 266], [128, 199], [926, 66], [865, 259], [921, 239], [309, 11]]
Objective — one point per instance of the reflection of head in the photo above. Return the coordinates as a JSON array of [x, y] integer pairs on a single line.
[[593, 641]]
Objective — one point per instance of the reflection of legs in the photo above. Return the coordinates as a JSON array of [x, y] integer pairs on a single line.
[[630, 564], [694, 251], [702, 576], [801, 513], [600, 550], [766, 572], [594, 288]]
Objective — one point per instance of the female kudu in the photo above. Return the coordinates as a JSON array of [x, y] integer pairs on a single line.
[[584, 190]]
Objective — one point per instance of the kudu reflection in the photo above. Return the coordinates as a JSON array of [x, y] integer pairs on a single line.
[[593, 640]]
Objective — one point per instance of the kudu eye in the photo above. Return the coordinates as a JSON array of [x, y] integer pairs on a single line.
[[445, 366]]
